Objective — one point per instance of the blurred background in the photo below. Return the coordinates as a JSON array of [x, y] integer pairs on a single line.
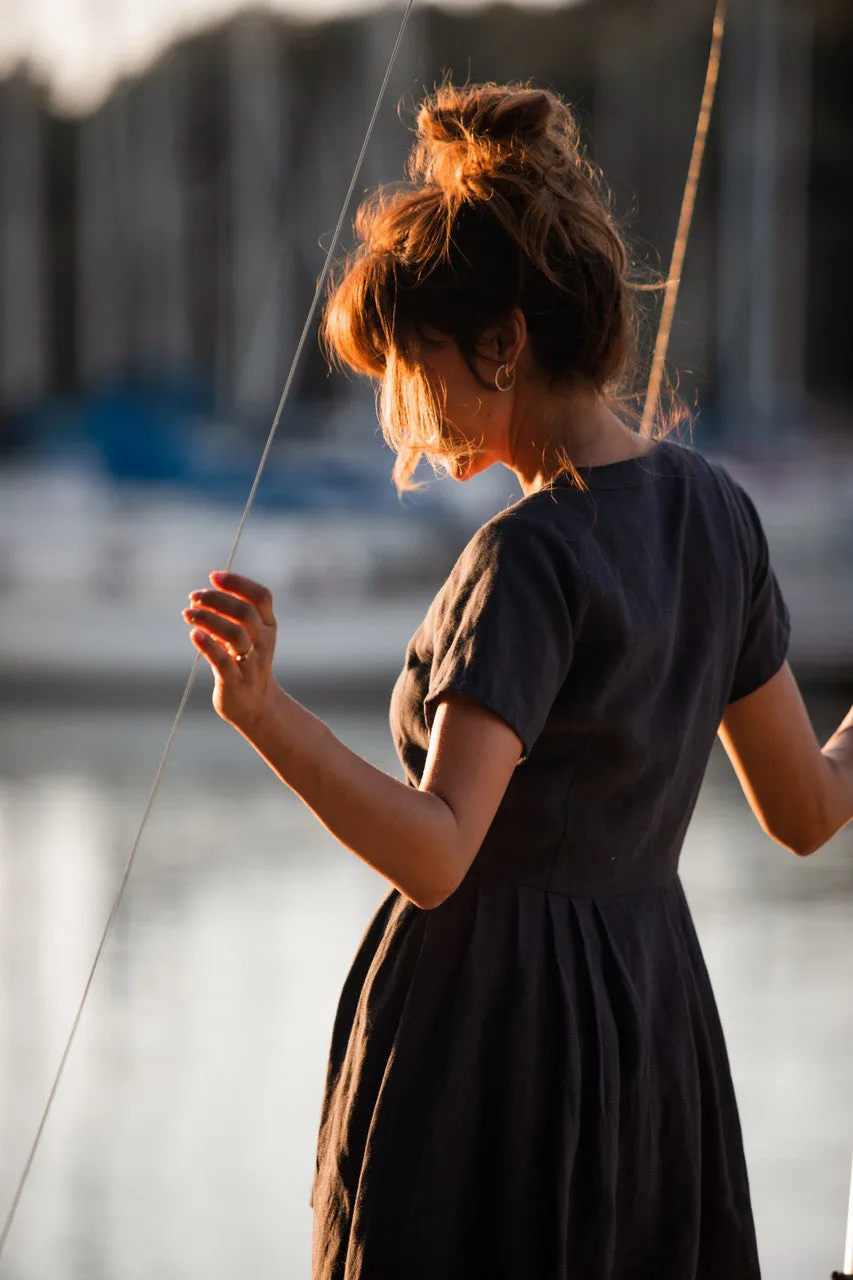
[[170, 177]]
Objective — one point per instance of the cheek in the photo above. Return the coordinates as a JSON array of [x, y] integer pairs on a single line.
[[465, 401], [459, 393]]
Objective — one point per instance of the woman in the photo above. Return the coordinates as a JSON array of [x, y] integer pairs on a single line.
[[527, 1077]]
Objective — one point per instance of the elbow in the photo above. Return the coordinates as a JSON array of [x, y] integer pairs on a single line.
[[816, 834], [802, 842], [424, 903], [442, 863], [429, 902], [806, 825], [427, 896], [454, 876], [827, 811], [805, 850], [426, 899], [437, 896]]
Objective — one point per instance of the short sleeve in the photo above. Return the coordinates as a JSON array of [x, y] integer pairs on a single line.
[[504, 632], [764, 645]]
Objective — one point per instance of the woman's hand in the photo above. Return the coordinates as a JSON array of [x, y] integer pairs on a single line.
[[228, 619]]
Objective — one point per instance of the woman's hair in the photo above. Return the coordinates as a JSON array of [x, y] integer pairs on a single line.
[[501, 210]]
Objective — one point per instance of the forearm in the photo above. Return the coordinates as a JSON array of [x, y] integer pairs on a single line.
[[838, 753], [409, 836]]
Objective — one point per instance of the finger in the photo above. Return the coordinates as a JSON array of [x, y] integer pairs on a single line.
[[230, 606], [218, 657], [231, 633], [257, 594]]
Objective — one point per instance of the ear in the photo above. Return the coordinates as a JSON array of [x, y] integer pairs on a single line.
[[504, 343], [512, 337]]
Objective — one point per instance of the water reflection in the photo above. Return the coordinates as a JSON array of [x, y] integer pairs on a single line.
[[181, 1143]]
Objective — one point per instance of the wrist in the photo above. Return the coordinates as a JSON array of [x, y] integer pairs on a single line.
[[267, 721], [289, 737]]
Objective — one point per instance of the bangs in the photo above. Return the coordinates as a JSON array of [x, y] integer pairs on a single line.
[[371, 309], [363, 321], [412, 415], [392, 293], [371, 326]]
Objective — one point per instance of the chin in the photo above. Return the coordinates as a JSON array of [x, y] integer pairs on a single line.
[[465, 470]]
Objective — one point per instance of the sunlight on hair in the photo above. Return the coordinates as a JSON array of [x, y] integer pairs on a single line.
[[405, 396], [501, 208]]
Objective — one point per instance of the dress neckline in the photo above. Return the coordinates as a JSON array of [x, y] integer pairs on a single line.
[[628, 473]]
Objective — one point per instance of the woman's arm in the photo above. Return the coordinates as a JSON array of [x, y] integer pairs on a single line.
[[801, 793], [422, 840]]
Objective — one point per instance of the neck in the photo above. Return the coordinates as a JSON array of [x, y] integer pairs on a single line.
[[580, 422]]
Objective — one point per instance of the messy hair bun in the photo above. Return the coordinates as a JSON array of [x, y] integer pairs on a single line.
[[501, 210], [462, 136]]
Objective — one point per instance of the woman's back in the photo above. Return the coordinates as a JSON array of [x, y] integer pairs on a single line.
[[527, 1075], [531, 1078], [610, 628]]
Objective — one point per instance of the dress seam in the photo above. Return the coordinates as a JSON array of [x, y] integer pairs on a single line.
[[560, 843], [565, 893]]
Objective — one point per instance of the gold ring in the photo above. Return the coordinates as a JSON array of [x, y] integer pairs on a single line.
[[241, 657]]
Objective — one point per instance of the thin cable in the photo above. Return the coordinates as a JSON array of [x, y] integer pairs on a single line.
[[161, 768], [684, 220]]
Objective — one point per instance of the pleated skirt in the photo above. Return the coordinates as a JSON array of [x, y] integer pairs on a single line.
[[528, 1085]]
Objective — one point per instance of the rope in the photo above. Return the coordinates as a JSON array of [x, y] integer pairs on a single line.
[[685, 218], [190, 681]]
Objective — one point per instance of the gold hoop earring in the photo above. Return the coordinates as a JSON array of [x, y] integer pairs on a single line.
[[510, 373]]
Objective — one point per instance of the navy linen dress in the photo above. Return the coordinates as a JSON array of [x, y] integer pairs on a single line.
[[530, 1082]]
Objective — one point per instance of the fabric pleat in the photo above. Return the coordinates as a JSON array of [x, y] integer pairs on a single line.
[[525, 1083]]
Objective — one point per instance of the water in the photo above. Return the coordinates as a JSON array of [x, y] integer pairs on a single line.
[[181, 1143]]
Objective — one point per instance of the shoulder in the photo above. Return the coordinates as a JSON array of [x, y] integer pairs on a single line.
[[722, 491], [521, 536], [736, 500], [521, 558], [520, 525], [713, 470]]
